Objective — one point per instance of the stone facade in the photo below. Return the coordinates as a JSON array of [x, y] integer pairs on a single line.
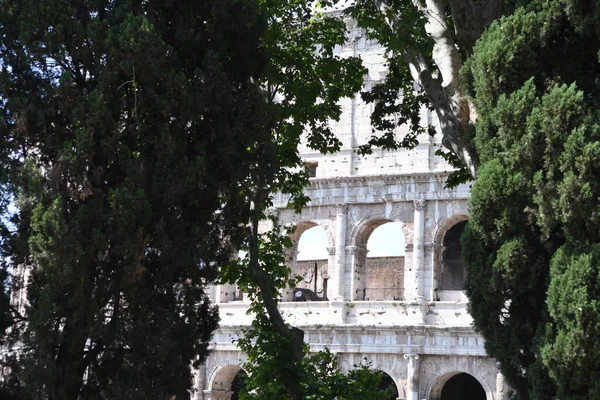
[[384, 279], [407, 314]]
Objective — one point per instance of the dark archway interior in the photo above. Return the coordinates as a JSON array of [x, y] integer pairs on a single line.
[[463, 387], [453, 271], [387, 384], [238, 384]]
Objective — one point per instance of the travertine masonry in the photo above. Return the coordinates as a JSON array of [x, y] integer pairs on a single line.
[[384, 278]]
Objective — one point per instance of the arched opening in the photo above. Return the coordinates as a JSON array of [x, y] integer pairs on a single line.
[[312, 265], [312, 244], [228, 383], [388, 386], [384, 262], [452, 274], [462, 386]]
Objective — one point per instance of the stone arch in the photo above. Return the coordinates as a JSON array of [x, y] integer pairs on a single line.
[[443, 225], [224, 382], [299, 267], [437, 390], [304, 225], [447, 284], [360, 233], [383, 363], [389, 381], [374, 279]]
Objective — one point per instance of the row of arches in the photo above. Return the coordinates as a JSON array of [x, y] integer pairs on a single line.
[[383, 262], [379, 259], [378, 262], [229, 381], [387, 240], [375, 233]]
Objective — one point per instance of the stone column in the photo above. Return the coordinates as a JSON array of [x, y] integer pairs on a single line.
[[356, 259], [418, 252], [337, 279], [291, 259], [436, 254], [412, 377]]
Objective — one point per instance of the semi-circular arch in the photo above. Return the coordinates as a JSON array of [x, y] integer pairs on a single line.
[[222, 377], [436, 388]]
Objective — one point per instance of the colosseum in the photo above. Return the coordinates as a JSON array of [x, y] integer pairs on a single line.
[[405, 311]]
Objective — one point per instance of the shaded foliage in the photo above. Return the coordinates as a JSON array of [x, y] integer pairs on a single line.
[[135, 129], [534, 77]]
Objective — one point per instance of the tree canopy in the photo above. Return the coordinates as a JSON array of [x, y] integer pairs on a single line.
[[531, 243], [132, 128], [515, 85], [144, 140], [134, 131]]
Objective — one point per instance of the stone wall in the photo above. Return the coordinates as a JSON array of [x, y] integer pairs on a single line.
[[306, 269], [384, 278]]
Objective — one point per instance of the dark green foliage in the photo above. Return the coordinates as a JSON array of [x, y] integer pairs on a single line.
[[137, 123], [535, 80], [321, 378], [571, 348], [149, 134]]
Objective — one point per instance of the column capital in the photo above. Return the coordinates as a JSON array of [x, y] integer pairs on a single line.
[[408, 356], [330, 250], [420, 204], [341, 209]]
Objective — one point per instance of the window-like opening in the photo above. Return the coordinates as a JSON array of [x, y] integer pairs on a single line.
[[384, 268], [452, 266], [387, 240], [463, 387], [311, 168], [311, 265]]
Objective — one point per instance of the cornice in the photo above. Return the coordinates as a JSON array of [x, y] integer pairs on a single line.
[[361, 180]]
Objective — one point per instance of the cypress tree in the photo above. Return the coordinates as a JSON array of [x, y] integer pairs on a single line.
[[136, 123]]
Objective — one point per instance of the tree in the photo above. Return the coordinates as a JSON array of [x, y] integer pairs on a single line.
[[534, 228], [143, 130], [477, 81], [515, 87], [136, 125], [304, 81]]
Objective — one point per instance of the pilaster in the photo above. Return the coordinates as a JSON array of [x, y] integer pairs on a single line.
[[412, 376], [356, 257], [416, 284], [336, 285]]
